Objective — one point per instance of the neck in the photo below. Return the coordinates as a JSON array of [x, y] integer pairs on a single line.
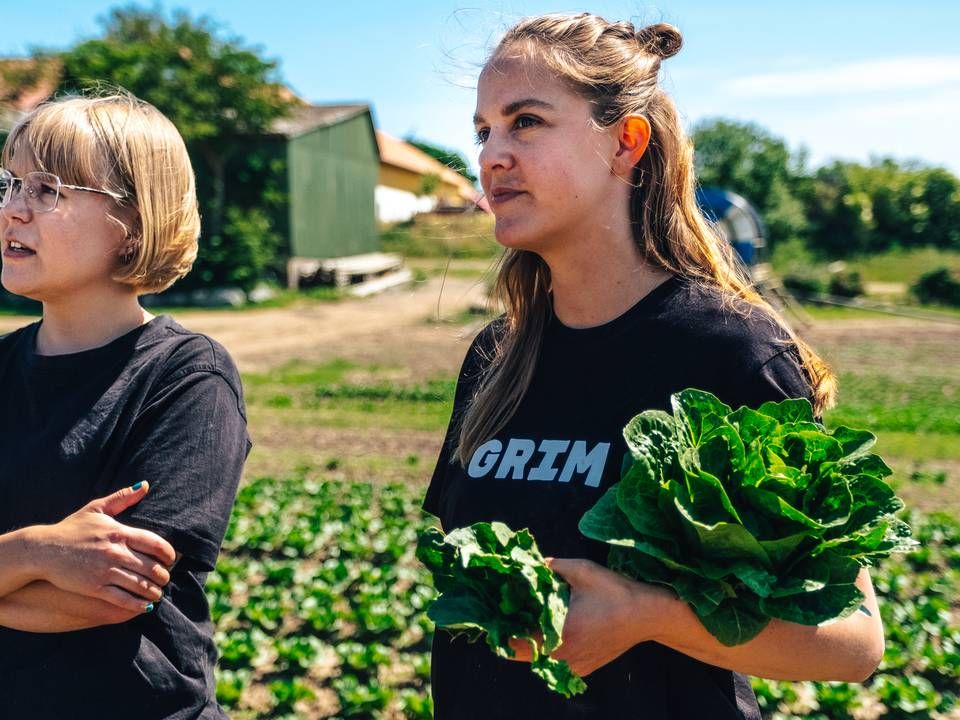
[[75, 324], [590, 285]]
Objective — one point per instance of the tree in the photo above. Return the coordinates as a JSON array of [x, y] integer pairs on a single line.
[[217, 92], [451, 158], [748, 160]]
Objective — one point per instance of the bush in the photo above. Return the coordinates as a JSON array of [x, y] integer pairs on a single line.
[[243, 255], [804, 283], [846, 284], [940, 286]]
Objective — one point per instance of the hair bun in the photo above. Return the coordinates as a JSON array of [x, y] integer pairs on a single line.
[[662, 40]]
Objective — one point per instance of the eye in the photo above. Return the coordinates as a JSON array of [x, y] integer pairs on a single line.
[[526, 121], [482, 135]]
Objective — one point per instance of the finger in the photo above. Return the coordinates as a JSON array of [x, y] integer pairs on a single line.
[[573, 571], [134, 584], [521, 650], [119, 501], [148, 567], [149, 543], [122, 599]]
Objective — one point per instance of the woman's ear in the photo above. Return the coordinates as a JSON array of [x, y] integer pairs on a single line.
[[633, 136]]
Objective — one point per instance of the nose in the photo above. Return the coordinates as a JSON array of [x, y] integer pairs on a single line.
[[495, 154], [16, 206]]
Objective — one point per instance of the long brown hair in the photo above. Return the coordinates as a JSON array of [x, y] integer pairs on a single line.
[[615, 67]]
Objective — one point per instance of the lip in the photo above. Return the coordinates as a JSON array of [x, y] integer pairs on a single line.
[[9, 252], [500, 194]]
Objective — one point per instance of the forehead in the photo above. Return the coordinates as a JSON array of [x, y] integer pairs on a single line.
[[58, 142], [516, 75], [18, 157]]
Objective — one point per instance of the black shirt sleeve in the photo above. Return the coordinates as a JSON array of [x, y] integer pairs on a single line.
[[781, 377], [190, 445]]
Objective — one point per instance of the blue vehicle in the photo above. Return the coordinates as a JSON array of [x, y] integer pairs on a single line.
[[737, 221]]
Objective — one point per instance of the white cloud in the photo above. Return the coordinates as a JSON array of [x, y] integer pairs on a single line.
[[886, 75]]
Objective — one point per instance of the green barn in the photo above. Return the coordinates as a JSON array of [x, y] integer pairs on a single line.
[[332, 164]]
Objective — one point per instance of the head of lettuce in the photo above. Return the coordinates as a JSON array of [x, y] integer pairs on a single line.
[[749, 514]]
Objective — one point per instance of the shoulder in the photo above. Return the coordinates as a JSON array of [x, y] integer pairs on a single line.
[[733, 331], [484, 347], [736, 350], [179, 353], [12, 339]]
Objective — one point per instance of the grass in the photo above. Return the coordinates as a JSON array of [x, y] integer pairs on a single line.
[[926, 404], [283, 298], [342, 394], [468, 235], [835, 312], [903, 265]]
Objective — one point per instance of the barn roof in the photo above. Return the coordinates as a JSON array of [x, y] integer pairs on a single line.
[[304, 118], [398, 153], [40, 80]]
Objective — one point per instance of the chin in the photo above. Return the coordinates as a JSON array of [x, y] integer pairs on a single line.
[[23, 289], [518, 236]]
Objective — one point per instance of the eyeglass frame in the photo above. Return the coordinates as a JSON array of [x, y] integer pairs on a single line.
[[60, 184]]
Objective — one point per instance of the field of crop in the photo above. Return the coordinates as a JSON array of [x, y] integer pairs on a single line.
[[319, 603]]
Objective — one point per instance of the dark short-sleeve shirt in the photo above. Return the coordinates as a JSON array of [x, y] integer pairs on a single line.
[[160, 404], [558, 454]]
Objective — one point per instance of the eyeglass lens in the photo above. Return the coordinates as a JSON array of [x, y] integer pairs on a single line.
[[41, 190]]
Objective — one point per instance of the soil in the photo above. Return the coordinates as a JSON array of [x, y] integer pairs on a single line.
[[401, 327]]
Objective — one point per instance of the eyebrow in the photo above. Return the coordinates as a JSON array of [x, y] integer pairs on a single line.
[[516, 106]]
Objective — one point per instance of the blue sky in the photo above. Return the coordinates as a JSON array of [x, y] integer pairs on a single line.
[[845, 79]]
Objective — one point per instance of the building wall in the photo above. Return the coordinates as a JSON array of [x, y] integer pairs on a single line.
[[333, 173], [399, 205], [411, 182]]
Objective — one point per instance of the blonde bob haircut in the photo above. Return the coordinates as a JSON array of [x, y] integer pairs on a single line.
[[125, 146]]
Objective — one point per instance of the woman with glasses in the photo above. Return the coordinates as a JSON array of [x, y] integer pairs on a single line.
[[122, 435]]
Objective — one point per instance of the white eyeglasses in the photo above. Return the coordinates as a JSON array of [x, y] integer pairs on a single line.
[[41, 190]]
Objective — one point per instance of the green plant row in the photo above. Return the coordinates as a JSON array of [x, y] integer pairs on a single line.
[[320, 611]]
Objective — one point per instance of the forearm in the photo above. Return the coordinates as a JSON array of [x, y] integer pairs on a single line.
[[16, 568], [40, 607], [847, 650]]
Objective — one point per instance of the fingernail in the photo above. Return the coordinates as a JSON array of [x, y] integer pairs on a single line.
[[148, 608], [136, 486]]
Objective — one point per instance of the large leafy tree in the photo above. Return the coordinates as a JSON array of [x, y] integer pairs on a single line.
[[451, 158], [217, 91], [745, 158]]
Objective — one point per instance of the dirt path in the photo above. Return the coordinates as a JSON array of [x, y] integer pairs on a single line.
[[392, 328]]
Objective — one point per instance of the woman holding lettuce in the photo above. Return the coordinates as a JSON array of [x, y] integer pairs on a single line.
[[617, 294]]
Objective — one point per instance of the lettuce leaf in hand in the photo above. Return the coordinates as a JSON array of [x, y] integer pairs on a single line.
[[749, 514], [493, 582]]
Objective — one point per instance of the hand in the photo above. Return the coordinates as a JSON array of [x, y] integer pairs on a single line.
[[608, 615], [89, 553]]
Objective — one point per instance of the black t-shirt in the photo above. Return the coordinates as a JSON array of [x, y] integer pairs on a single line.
[[160, 404], [559, 453]]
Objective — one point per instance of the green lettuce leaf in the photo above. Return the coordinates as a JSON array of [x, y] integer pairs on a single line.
[[493, 582], [748, 514]]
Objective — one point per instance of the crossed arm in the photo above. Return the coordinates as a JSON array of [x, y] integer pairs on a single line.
[[85, 571]]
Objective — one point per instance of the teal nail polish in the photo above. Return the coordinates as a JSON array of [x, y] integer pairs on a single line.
[[136, 486], [148, 608]]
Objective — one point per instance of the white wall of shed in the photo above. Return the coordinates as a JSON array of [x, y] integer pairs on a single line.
[[399, 205]]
